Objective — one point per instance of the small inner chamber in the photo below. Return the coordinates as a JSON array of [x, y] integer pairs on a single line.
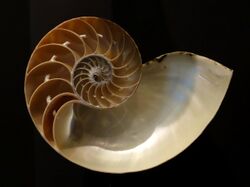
[[89, 75]]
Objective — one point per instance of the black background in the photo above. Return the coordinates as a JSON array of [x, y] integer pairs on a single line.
[[216, 29]]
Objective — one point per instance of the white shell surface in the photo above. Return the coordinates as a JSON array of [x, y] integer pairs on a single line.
[[178, 95]]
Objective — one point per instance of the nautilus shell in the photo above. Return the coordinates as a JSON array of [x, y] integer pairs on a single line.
[[94, 102]]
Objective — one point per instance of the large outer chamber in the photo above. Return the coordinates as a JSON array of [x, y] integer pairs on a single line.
[[178, 96]]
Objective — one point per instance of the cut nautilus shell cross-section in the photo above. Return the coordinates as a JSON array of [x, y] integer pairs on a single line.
[[96, 104]]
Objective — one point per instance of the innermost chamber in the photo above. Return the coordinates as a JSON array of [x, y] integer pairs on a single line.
[[90, 74]]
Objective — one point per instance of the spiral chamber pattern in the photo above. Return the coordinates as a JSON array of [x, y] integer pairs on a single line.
[[87, 59]]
